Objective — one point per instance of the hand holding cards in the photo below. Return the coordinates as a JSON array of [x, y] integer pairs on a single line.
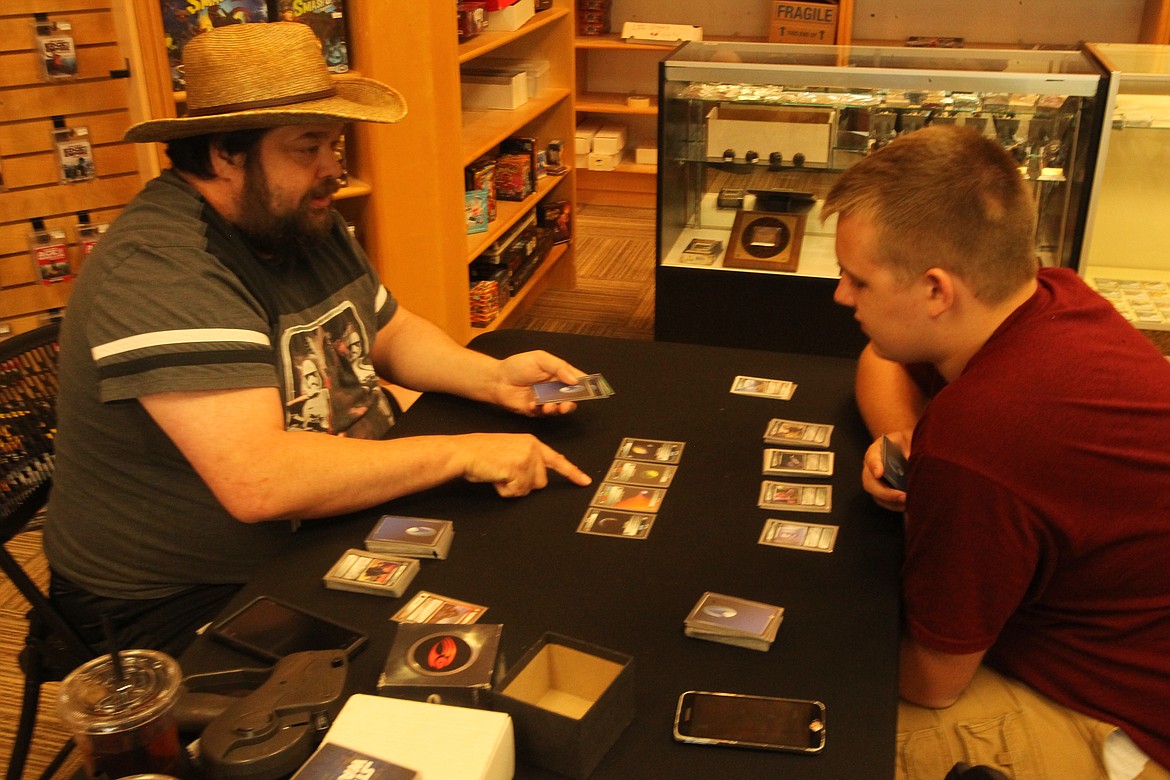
[[893, 465]]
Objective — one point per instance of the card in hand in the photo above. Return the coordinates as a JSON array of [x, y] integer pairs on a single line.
[[799, 536], [632, 497], [799, 463], [588, 386], [653, 450], [426, 607], [763, 388], [633, 472], [798, 434], [795, 497], [733, 620], [893, 465], [613, 522]]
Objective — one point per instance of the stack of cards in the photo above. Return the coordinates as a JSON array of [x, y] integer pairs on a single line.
[[633, 489], [798, 434], [763, 388], [367, 572], [795, 497], [797, 463], [588, 386], [734, 621], [426, 607], [414, 537], [799, 536]]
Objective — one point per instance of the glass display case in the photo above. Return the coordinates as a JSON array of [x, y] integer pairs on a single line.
[[752, 136], [1127, 244]]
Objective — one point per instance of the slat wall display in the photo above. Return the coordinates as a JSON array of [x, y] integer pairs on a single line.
[[102, 96]]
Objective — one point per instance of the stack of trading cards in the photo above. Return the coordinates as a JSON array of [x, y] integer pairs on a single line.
[[633, 489], [811, 537], [426, 607], [797, 463], [734, 621], [367, 572], [763, 388], [795, 497], [798, 434], [588, 386], [415, 537]]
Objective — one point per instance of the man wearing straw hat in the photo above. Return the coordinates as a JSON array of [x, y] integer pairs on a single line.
[[224, 314]]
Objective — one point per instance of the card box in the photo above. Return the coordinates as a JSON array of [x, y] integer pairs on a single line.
[[438, 742], [610, 139], [500, 88], [570, 701], [326, 18], [511, 18], [442, 664], [334, 762]]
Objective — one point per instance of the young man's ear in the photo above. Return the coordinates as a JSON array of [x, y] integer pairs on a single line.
[[940, 287]]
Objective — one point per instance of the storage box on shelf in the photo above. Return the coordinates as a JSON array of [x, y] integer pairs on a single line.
[[750, 149]]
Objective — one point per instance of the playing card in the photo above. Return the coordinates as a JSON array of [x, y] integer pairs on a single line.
[[588, 386], [653, 450], [795, 497], [632, 472], [613, 522], [798, 434], [426, 607], [893, 465], [366, 572], [800, 463], [615, 496], [763, 388], [799, 536]]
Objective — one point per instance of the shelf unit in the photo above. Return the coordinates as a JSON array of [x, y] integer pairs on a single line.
[[860, 22], [406, 190]]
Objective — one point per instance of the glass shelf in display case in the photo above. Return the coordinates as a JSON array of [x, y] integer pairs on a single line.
[[753, 135]]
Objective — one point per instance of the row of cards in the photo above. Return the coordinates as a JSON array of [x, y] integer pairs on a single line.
[[632, 491], [814, 461]]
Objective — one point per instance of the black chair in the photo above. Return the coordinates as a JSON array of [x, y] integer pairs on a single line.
[[28, 422]]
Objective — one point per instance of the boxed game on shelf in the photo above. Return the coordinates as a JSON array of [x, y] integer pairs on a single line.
[[326, 18], [181, 24]]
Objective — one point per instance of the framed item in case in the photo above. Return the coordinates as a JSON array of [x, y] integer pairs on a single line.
[[765, 241]]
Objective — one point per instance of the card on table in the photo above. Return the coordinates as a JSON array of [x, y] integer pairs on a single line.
[[426, 607], [893, 465], [732, 620], [632, 497], [797, 463], [652, 450], [632, 472], [613, 522], [588, 386], [799, 536], [763, 388], [798, 434], [795, 497], [367, 572], [417, 537]]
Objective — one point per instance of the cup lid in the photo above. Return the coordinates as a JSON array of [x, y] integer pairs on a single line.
[[93, 700]]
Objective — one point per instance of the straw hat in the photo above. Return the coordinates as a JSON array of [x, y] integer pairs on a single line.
[[247, 76]]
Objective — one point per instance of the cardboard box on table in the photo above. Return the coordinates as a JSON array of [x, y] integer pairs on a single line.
[[569, 701], [444, 664]]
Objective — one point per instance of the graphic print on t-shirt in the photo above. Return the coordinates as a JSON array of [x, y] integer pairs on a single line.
[[330, 383]]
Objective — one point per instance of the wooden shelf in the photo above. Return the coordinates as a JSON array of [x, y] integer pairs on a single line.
[[613, 103], [490, 41], [508, 213], [484, 129]]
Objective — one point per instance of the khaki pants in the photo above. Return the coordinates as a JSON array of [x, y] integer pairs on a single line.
[[1004, 724]]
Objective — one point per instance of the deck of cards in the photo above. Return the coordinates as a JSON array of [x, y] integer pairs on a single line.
[[367, 572], [734, 621], [797, 463], [763, 388], [811, 537], [413, 537], [793, 433], [795, 497], [587, 387]]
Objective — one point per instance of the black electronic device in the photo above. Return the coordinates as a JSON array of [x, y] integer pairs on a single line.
[[271, 629], [742, 720]]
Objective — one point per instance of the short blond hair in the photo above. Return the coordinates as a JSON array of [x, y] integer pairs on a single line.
[[945, 196]]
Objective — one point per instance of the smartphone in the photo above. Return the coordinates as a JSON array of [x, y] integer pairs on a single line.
[[893, 465], [270, 629], [741, 720]]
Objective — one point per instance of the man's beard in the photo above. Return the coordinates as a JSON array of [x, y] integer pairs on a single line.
[[282, 235]]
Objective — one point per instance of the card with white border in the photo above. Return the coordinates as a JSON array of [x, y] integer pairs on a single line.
[[651, 450], [600, 521], [635, 472], [796, 497], [797, 463], [763, 388], [427, 607], [794, 433], [811, 537], [363, 571]]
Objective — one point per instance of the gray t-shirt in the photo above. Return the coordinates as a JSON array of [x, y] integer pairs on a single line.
[[173, 299]]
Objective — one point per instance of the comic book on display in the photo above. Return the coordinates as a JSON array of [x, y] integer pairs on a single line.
[[182, 20], [326, 18]]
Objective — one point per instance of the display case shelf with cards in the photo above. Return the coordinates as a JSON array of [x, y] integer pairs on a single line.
[[753, 136], [1127, 237]]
